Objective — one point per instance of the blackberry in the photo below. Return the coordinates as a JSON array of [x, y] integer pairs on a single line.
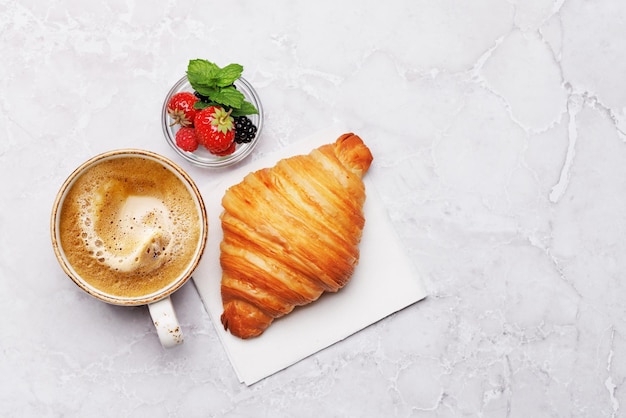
[[245, 130]]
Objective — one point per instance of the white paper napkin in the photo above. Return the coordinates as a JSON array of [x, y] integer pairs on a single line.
[[384, 282]]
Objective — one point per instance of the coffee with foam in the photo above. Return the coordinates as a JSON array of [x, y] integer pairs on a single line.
[[129, 226]]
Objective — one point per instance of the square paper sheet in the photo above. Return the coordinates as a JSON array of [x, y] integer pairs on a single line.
[[384, 282]]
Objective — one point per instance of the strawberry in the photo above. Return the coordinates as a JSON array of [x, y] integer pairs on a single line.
[[215, 129], [186, 139], [181, 110]]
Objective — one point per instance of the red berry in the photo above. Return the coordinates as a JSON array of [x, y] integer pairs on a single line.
[[186, 139], [228, 150], [180, 108], [215, 129]]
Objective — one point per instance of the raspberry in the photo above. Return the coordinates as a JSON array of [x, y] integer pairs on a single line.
[[186, 139]]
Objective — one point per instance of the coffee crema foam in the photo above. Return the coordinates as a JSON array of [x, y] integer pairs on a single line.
[[129, 226]]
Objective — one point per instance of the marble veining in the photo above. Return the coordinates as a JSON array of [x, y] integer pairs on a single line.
[[499, 135]]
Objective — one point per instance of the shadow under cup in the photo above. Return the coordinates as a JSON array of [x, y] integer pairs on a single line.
[[134, 270]]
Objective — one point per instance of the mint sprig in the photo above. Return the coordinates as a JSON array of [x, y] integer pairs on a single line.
[[217, 85]]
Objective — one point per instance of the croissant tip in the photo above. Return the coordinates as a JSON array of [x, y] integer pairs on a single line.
[[224, 321], [353, 152], [241, 323]]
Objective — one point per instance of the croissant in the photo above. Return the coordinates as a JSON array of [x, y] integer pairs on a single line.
[[291, 232]]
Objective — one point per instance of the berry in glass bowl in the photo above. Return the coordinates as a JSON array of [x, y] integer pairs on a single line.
[[212, 117]]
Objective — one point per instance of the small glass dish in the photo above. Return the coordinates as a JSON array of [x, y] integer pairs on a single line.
[[202, 157]]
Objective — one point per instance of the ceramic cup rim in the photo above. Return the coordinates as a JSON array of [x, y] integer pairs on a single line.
[[174, 285]]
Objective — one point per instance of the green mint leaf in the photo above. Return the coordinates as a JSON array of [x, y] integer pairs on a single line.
[[199, 105], [202, 73], [229, 74], [246, 108], [206, 90], [217, 84], [228, 96]]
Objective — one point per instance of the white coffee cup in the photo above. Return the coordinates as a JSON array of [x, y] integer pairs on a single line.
[[158, 300]]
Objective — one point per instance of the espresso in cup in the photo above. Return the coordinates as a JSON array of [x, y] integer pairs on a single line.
[[129, 227]]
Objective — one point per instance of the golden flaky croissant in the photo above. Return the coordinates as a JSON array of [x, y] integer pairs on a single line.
[[291, 232]]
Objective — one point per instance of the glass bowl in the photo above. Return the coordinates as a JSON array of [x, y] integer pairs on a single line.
[[202, 157]]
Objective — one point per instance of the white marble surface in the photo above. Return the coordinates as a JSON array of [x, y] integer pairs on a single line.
[[498, 129]]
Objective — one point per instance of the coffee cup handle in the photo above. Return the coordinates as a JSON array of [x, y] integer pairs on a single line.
[[166, 323]]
